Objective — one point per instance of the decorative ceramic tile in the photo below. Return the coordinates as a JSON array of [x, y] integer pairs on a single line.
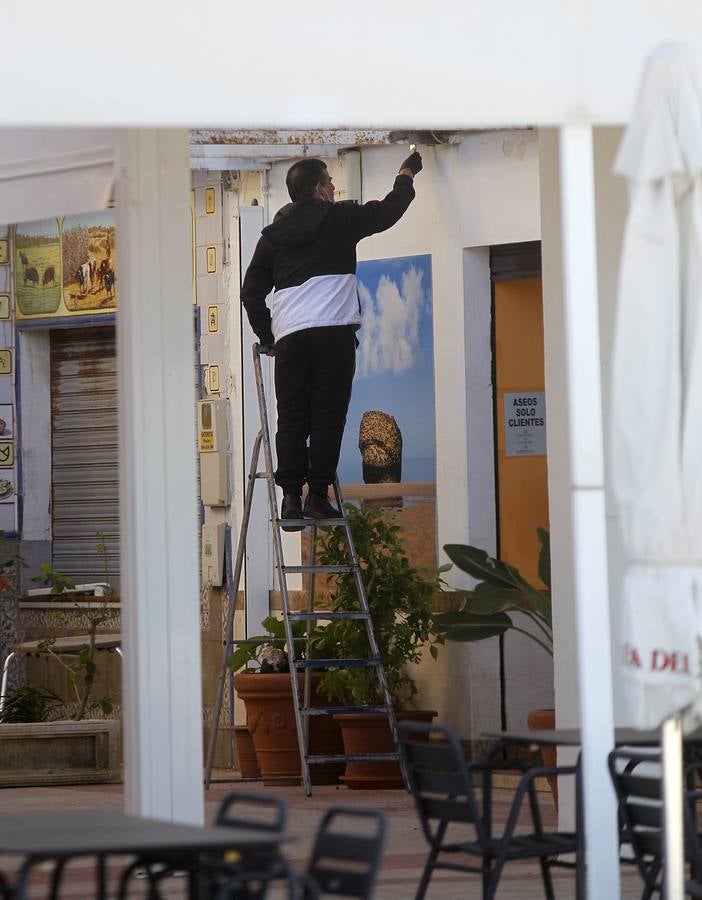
[[71, 619], [205, 608], [10, 628]]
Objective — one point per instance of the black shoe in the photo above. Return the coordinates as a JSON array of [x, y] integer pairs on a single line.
[[291, 508], [319, 507]]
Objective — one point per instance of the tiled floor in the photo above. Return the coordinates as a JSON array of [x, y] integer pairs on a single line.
[[402, 863]]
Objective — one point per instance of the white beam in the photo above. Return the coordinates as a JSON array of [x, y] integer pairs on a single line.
[[158, 514], [588, 504]]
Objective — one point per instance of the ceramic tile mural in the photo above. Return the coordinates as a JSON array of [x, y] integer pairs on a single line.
[[10, 630]]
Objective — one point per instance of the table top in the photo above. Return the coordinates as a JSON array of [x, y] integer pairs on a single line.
[[572, 737], [72, 644], [90, 832]]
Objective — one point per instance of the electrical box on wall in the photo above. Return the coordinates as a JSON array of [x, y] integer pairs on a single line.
[[213, 553], [213, 444]]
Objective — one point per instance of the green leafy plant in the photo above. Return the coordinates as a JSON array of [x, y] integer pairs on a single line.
[[400, 598], [81, 669], [489, 609], [28, 703], [265, 653]]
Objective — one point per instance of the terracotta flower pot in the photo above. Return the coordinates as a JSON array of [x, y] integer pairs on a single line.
[[370, 733], [246, 752], [271, 721], [544, 720]]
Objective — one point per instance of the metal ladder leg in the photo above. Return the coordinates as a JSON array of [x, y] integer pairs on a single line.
[[229, 627]]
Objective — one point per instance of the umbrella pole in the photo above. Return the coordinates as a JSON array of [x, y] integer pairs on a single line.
[[674, 866]]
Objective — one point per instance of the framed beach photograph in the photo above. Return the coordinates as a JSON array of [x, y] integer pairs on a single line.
[[388, 455]]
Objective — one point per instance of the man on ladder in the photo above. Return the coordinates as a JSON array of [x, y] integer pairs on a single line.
[[308, 256]]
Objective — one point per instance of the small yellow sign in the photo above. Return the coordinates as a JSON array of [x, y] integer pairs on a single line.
[[7, 454], [4, 306], [207, 441], [213, 318], [5, 362], [211, 260], [214, 379], [210, 202], [4, 253]]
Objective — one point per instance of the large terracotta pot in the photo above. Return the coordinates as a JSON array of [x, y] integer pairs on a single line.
[[271, 721], [545, 720], [370, 733]]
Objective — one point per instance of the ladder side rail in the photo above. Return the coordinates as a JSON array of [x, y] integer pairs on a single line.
[[280, 568], [307, 698], [372, 642], [229, 627]]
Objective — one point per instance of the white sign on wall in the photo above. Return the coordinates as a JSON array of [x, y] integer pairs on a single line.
[[525, 424]]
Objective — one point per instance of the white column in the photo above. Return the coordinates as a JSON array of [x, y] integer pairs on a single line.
[[162, 701], [588, 505]]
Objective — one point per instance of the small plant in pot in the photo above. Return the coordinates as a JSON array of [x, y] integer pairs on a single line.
[[401, 600], [82, 668], [263, 682], [501, 601]]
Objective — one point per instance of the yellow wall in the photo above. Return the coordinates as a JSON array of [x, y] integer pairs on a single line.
[[519, 364]]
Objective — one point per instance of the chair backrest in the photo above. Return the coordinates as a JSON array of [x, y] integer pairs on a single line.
[[637, 780], [249, 809], [440, 780], [636, 776], [347, 851]]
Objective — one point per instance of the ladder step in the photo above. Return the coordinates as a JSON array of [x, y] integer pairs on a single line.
[[327, 615], [330, 570], [335, 663], [352, 757], [337, 710], [309, 523]]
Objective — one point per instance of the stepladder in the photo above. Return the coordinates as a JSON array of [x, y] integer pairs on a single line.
[[300, 625]]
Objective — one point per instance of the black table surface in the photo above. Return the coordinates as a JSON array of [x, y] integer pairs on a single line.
[[88, 832], [572, 737]]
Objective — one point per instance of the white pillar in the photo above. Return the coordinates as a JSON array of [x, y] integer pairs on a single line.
[[588, 505], [162, 703]]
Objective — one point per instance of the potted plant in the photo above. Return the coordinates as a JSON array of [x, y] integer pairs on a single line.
[[263, 682], [496, 603], [401, 600]]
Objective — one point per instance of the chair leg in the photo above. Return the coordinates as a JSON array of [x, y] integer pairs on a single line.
[[56, 878], [426, 875], [546, 878]]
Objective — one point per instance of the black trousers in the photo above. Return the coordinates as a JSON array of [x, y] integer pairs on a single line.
[[314, 371]]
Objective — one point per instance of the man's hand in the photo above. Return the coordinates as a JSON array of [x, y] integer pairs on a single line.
[[413, 163], [267, 349]]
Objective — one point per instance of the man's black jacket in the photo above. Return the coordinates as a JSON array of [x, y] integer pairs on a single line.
[[310, 238]]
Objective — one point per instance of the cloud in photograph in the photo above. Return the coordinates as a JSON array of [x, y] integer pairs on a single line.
[[390, 333]]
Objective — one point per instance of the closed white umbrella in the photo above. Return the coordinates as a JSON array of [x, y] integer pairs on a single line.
[[656, 425]]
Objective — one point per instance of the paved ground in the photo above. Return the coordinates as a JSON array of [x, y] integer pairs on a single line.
[[403, 859]]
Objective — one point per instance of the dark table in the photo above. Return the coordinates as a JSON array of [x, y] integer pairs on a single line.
[[61, 836]]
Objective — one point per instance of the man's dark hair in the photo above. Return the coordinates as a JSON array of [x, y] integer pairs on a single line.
[[303, 177]]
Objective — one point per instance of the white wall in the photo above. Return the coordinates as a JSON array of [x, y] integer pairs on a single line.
[[484, 191], [444, 65]]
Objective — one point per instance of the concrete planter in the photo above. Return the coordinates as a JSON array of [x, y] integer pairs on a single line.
[[62, 752]]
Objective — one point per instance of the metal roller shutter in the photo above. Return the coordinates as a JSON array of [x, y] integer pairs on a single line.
[[85, 468]]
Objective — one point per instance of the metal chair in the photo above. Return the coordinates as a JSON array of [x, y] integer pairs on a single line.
[[636, 776], [640, 803], [345, 860], [455, 821]]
